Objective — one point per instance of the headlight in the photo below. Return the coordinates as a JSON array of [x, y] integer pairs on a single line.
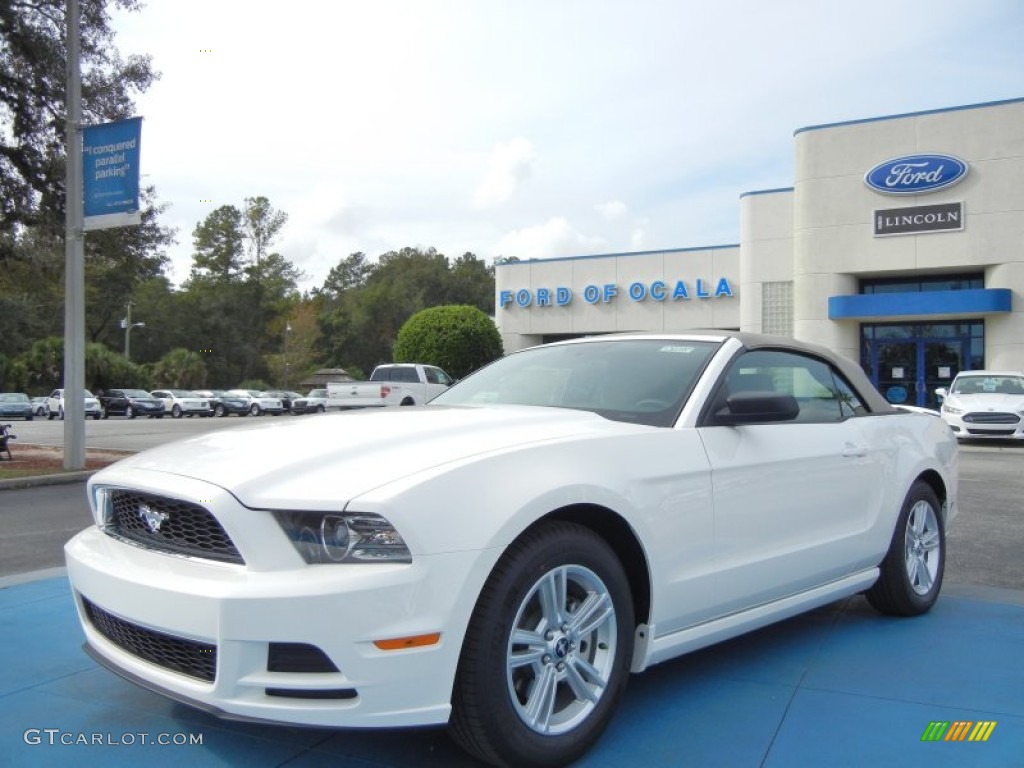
[[951, 410], [350, 537]]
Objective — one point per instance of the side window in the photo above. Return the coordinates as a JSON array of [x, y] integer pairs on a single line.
[[823, 396], [850, 403], [408, 375], [433, 375]]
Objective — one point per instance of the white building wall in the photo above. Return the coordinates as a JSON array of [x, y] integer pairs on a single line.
[[833, 237], [766, 250]]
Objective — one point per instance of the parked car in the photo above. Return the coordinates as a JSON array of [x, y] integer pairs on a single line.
[[184, 402], [392, 384], [224, 403], [39, 405], [503, 558], [55, 405], [258, 402], [985, 404], [286, 397], [314, 402], [16, 405], [131, 403]]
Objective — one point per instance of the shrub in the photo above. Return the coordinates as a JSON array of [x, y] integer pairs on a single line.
[[457, 338]]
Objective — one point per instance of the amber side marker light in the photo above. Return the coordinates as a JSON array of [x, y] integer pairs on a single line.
[[416, 641]]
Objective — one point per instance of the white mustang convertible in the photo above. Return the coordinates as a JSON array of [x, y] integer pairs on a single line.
[[502, 559]]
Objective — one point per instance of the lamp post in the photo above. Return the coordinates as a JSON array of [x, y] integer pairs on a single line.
[[127, 324], [287, 333]]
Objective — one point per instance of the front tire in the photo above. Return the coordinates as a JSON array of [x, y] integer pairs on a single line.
[[129, 412], [219, 411], [545, 659], [176, 411], [911, 573]]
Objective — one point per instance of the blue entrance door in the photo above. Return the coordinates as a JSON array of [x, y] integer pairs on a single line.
[[907, 371]]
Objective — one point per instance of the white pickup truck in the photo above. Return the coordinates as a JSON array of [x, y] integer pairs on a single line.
[[393, 384]]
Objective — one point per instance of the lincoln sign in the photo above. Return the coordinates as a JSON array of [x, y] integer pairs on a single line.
[[947, 217], [658, 290]]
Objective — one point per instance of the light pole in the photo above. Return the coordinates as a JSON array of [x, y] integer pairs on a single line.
[[287, 333], [127, 324]]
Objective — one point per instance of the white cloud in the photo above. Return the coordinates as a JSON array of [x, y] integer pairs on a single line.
[[508, 166], [555, 237], [638, 239], [613, 209]]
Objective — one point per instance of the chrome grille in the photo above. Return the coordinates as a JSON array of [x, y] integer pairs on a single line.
[[195, 659], [982, 417], [169, 525]]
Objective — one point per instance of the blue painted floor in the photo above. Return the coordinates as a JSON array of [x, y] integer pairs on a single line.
[[840, 686]]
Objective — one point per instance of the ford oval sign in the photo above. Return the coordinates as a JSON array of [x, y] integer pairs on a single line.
[[915, 174]]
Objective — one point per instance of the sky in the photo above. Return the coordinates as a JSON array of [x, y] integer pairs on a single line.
[[527, 128]]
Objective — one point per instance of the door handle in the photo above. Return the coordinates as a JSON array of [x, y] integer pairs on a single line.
[[852, 451]]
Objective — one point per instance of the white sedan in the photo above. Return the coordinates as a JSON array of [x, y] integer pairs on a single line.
[[503, 558], [985, 404], [183, 402], [55, 405]]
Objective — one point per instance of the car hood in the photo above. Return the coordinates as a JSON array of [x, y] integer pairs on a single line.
[[985, 401], [321, 464]]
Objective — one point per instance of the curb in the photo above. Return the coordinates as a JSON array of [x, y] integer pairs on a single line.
[[56, 478]]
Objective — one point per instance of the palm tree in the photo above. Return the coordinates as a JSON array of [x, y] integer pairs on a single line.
[[181, 368]]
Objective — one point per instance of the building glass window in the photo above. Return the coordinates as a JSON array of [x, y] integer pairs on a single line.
[[777, 308], [920, 284]]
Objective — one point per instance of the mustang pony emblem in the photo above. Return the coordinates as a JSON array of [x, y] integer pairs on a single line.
[[151, 517]]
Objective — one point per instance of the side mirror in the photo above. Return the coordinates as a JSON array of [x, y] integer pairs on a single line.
[[941, 392], [757, 408]]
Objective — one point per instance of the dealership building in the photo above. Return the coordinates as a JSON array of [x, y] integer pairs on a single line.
[[900, 245]]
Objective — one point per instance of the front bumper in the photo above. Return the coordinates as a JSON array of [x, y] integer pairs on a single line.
[[985, 426], [236, 612]]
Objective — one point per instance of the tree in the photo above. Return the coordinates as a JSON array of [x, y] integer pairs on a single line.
[[181, 368], [262, 226], [117, 262], [218, 241], [363, 306], [349, 273], [32, 90], [459, 339]]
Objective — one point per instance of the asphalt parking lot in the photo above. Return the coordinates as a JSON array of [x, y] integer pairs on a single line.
[[840, 686]]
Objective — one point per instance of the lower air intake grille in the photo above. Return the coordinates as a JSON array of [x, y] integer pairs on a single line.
[[198, 660]]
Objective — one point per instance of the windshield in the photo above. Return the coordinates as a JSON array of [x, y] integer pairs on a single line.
[[988, 385], [644, 381], [13, 397], [137, 393]]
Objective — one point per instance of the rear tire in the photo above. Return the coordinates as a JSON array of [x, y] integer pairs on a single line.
[[255, 409], [219, 411], [546, 656], [911, 573]]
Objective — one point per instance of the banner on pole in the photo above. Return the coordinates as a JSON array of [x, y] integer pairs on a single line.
[[110, 172]]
